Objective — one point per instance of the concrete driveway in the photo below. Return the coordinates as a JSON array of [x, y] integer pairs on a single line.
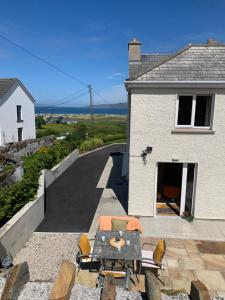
[[71, 201]]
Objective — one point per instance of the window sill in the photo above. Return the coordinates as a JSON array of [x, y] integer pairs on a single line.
[[19, 121], [192, 131]]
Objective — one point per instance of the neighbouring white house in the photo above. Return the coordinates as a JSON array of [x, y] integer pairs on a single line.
[[176, 133], [17, 116]]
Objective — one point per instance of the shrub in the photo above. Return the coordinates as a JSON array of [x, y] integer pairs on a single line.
[[13, 197], [91, 144], [112, 137], [45, 132], [39, 121]]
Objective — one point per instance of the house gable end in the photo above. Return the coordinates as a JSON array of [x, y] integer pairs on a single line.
[[9, 92]]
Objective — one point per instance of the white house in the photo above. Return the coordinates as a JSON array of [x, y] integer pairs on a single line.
[[17, 116], [176, 134]]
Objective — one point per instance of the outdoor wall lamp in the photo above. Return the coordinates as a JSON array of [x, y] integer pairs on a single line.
[[145, 152]]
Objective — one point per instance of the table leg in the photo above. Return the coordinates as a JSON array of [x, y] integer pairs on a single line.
[[127, 278]]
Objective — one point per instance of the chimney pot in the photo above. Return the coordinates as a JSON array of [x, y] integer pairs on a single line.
[[212, 42]]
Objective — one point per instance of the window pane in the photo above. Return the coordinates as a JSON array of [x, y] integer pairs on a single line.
[[20, 134], [203, 110], [19, 115], [184, 110]]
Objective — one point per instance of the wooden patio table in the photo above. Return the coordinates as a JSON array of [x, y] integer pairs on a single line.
[[127, 256]]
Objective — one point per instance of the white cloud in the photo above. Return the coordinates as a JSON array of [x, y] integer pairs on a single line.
[[116, 74], [114, 94]]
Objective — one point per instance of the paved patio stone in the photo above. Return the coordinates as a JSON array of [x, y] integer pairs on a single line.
[[175, 252], [176, 243], [174, 274], [191, 264], [213, 280], [172, 263], [211, 247], [223, 273], [214, 262], [182, 284], [192, 249]]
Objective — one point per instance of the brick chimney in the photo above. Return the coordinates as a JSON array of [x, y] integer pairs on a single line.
[[134, 51]]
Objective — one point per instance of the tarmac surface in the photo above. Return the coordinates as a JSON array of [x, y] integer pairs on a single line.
[[72, 200]]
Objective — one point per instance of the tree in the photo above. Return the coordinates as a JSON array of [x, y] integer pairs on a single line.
[[39, 121]]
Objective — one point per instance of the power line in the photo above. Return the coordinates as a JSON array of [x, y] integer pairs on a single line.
[[71, 96], [43, 60], [72, 99], [97, 93]]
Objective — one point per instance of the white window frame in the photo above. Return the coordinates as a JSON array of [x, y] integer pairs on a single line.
[[192, 126]]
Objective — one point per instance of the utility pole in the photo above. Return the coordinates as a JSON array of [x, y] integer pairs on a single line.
[[91, 105]]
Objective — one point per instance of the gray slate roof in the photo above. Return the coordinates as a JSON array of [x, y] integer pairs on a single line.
[[6, 84], [194, 63], [148, 61]]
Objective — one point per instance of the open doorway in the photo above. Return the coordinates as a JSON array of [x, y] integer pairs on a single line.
[[175, 189]]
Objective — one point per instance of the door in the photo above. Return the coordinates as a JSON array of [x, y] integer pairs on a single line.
[[188, 189], [175, 189]]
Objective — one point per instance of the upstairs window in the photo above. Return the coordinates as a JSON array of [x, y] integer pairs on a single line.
[[194, 111], [19, 113]]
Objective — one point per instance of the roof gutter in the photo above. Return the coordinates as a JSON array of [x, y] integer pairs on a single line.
[[173, 84]]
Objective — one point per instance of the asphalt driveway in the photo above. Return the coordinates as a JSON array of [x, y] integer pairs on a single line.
[[71, 201]]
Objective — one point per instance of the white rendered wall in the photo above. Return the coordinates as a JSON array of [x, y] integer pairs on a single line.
[[8, 117], [152, 117]]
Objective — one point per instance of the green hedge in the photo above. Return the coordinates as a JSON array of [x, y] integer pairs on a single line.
[[91, 144], [113, 137], [13, 197]]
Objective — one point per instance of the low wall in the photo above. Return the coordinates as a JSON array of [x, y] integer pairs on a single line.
[[17, 231], [58, 170]]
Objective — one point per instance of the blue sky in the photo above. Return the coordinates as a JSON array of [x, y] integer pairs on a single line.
[[89, 40]]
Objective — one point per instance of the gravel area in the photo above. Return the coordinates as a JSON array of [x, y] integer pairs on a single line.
[[177, 297], [81, 292], [35, 291], [41, 291], [44, 253], [2, 283]]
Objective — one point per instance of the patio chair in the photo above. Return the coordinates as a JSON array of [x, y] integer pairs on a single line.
[[152, 260], [85, 259]]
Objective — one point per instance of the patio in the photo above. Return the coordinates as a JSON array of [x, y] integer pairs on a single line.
[[185, 261]]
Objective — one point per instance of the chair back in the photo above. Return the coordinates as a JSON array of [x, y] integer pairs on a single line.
[[159, 252], [84, 245], [119, 225]]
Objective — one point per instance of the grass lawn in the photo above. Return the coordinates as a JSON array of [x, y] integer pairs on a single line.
[[107, 128], [56, 129]]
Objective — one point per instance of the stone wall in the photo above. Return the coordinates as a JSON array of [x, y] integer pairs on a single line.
[[23, 148], [17, 231]]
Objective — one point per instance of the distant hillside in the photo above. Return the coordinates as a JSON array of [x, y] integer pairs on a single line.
[[113, 105]]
